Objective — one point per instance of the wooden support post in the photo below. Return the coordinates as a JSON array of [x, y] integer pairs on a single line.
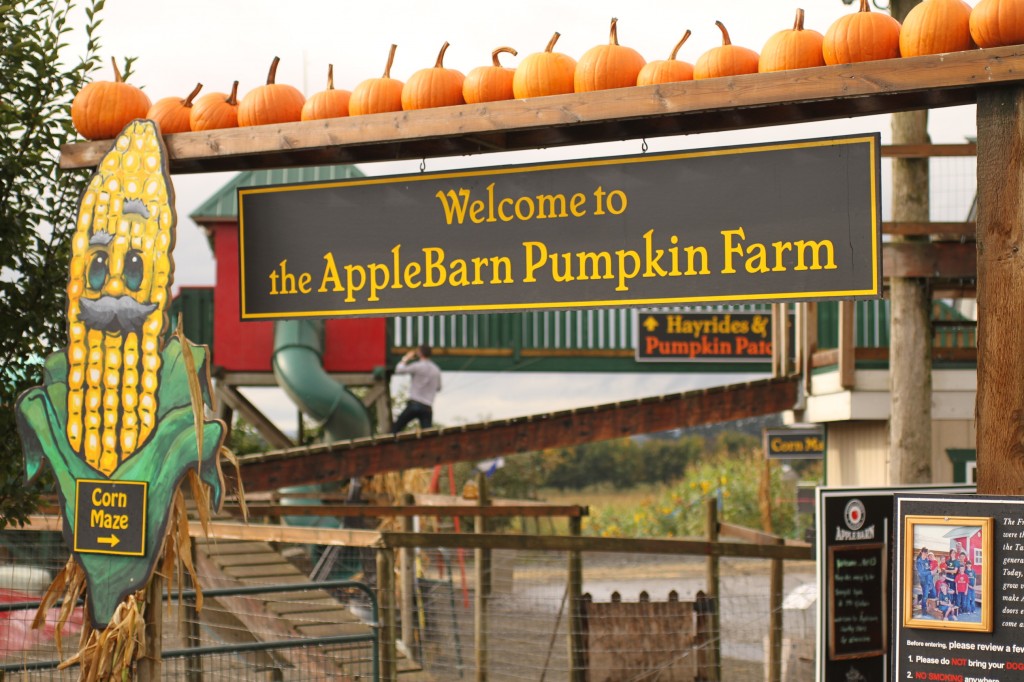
[[775, 621], [386, 614], [483, 586], [847, 357], [149, 666], [712, 589], [407, 573], [809, 330], [574, 599], [1000, 396]]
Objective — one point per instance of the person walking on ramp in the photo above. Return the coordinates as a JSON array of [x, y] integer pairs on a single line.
[[425, 383]]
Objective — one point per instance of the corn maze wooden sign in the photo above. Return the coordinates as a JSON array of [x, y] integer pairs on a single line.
[[119, 417]]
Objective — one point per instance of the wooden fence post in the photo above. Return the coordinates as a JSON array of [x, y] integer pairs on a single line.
[[483, 586], [574, 599], [715, 640], [407, 573], [775, 621], [386, 614]]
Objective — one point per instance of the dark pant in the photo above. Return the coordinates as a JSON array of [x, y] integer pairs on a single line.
[[415, 410]]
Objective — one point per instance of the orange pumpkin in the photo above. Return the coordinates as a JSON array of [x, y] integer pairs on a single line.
[[935, 27], [795, 48], [863, 36], [377, 95], [604, 67], [668, 70], [172, 114], [433, 87], [215, 111], [329, 103], [997, 22], [271, 103], [102, 109], [489, 83], [544, 73], [725, 60]]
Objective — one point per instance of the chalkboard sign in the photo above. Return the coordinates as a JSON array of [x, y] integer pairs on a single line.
[[857, 606]]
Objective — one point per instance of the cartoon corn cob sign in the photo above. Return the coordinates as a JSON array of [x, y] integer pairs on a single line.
[[120, 406]]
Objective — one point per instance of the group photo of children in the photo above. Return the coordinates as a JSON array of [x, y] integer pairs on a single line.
[[945, 579]]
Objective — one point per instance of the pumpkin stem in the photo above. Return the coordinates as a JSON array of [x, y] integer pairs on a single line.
[[725, 33], [494, 55], [391, 60], [551, 43], [117, 71], [192, 95], [330, 76], [233, 97], [440, 56], [864, 6], [613, 33], [798, 23], [675, 50], [273, 71]]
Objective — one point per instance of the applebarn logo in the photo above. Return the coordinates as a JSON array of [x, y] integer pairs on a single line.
[[854, 516]]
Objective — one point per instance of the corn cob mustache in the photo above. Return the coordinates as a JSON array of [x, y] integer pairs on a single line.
[[118, 290]]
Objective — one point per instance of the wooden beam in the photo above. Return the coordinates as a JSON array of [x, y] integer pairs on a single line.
[[924, 260], [343, 460], [573, 543], [924, 151], [908, 229], [1000, 397], [689, 107], [336, 510], [266, 428]]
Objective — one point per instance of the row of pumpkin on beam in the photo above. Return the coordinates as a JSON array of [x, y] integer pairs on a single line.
[[102, 108]]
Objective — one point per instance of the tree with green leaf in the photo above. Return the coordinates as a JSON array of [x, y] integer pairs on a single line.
[[37, 205]]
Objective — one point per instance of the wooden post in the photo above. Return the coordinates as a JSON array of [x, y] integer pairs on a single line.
[[149, 666], [1000, 396], [407, 573], [574, 599], [775, 621], [847, 353], [194, 672], [809, 330], [715, 639], [483, 586], [386, 614]]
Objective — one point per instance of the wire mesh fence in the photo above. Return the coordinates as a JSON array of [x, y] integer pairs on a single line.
[[261, 617], [640, 618]]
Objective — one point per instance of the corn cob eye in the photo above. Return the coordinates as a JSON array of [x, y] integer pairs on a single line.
[[134, 270], [98, 270]]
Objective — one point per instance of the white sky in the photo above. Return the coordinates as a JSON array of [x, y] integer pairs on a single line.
[[218, 41]]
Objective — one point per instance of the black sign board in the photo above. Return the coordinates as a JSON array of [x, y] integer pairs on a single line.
[[782, 221], [702, 336], [953, 638], [858, 608], [110, 517], [855, 549], [795, 442]]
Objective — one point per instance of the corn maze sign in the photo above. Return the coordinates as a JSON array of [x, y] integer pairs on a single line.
[[787, 221]]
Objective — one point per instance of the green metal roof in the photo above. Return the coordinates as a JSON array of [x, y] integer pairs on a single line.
[[223, 204]]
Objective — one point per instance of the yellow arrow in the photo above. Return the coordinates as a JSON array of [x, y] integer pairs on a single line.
[[112, 540], [651, 324]]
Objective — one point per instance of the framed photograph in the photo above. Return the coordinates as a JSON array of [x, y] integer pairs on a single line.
[[948, 568]]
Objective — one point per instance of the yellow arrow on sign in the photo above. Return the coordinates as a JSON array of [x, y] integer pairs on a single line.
[[112, 540], [651, 324]]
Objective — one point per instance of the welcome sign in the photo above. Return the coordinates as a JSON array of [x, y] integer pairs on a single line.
[[784, 221]]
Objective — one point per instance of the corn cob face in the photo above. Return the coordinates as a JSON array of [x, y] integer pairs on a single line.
[[118, 291]]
